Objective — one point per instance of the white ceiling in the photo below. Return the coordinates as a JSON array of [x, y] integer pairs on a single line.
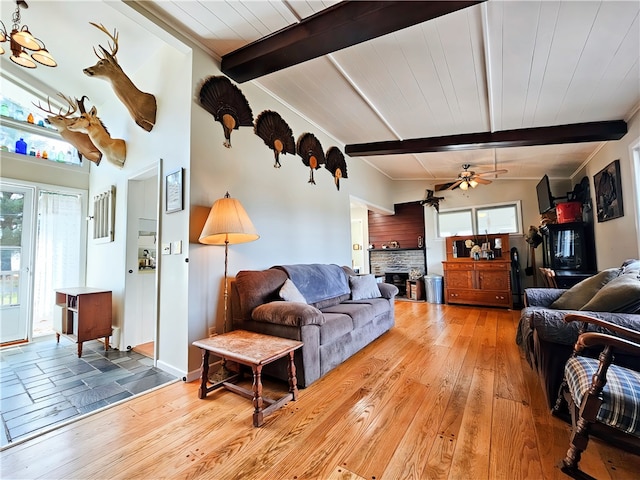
[[499, 65]]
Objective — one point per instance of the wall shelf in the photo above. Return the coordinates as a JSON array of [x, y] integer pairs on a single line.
[[29, 127]]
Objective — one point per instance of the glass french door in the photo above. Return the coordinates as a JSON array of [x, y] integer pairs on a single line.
[[16, 252]]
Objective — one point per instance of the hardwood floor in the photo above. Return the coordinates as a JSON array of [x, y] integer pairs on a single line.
[[445, 394]]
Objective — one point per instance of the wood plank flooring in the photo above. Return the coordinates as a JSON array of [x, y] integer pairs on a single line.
[[444, 394]]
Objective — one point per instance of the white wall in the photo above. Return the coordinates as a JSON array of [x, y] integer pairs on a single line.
[[617, 239], [297, 222]]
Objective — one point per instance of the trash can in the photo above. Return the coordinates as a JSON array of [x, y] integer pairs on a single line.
[[434, 288]]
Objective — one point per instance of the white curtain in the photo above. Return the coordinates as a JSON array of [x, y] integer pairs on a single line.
[[57, 261]]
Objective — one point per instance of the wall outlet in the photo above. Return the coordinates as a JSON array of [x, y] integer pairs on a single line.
[[166, 249]]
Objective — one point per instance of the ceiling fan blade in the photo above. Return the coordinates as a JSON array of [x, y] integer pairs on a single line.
[[442, 186], [494, 172], [482, 181], [455, 185]]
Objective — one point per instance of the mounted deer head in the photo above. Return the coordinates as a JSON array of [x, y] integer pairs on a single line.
[[61, 122], [114, 149], [141, 105]]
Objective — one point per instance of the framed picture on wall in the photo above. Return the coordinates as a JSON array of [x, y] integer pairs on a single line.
[[173, 191], [608, 189]]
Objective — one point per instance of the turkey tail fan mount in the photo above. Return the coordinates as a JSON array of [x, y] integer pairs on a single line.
[[275, 132], [310, 150], [227, 104], [336, 164]]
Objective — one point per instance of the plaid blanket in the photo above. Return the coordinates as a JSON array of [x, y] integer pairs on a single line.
[[621, 394]]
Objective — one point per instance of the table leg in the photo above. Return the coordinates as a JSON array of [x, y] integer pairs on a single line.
[[79, 349], [202, 391], [293, 381], [106, 344], [57, 337], [258, 417]]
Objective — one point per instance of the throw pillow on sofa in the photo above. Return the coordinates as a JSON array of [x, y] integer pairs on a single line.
[[578, 295], [621, 294], [364, 287], [290, 293]]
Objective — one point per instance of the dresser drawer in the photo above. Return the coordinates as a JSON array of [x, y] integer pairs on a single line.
[[475, 297], [489, 265]]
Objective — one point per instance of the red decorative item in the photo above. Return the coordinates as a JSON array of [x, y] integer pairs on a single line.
[[569, 212]]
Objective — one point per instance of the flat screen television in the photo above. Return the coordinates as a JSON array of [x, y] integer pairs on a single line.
[[545, 199]]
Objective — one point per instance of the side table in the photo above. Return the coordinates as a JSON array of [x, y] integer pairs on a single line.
[[253, 350]]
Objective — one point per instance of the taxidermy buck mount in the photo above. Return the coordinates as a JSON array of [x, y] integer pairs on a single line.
[[141, 105], [114, 149], [61, 122]]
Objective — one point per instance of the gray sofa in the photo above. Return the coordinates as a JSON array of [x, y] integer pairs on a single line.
[[333, 311], [547, 340]]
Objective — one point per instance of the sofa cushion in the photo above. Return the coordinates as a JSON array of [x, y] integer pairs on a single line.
[[363, 287], [288, 313], [290, 293], [380, 306], [360, 313], [621, 294], [335, 326], [578, 295], [257, 287]]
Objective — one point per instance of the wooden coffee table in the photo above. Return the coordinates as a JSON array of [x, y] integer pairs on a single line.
[[253, 350]]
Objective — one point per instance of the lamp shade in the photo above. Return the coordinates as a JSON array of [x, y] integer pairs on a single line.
[[228, 222]]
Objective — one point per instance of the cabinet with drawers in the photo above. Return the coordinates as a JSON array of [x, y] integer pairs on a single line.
[[486, 281]]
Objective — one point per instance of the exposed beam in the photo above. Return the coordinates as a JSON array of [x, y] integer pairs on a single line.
[[339, 26], [523, 137]]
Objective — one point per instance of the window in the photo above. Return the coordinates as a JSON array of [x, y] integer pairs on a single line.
[[457, 222], [500, 218]]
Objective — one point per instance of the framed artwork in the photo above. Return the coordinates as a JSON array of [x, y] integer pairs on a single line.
[[173, 191], [608, 192]]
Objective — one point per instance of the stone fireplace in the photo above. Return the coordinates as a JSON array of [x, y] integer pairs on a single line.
[[395, 264]]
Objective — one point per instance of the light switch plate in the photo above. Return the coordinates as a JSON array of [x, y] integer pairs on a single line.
[[176, 247], [166, 249]]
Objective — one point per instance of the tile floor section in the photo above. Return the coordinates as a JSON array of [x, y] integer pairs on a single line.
[[44, 383]]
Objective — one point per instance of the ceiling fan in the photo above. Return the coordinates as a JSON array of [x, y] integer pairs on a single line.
[[468, 178]]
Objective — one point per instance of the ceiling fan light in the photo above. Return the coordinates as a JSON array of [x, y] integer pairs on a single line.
[[473, 184], [1, 50], [25, 39], [464, 185], [44, 57], [23, 60]]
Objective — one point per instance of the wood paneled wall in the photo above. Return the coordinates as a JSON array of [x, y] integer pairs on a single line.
[[404, 227]]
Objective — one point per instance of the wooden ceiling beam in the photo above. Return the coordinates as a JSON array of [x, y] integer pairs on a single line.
[[523, 137], [339, 26]]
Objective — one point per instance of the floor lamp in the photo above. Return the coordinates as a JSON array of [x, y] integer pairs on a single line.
[[227, 224]]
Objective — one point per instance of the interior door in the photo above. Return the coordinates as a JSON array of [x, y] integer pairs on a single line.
[[16, 252]]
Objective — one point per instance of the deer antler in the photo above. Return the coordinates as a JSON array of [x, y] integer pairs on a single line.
[[113, 46], [81, 104], [70, 110]]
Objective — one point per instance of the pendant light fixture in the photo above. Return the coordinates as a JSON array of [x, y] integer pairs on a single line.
[[21, 40]]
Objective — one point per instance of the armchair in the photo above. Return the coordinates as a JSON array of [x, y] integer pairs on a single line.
[[603, 398]]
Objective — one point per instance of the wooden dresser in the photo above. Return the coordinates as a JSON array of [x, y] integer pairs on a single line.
[[478, 282]]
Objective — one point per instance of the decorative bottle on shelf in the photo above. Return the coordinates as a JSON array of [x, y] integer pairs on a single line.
[[455, 250], [21, 147], [30, 118]]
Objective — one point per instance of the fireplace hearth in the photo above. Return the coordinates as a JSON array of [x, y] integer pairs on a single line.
[[399, 279]]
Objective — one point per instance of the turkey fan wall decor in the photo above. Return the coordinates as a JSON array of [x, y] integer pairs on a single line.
[[336, 164], [226, 103], [277, 135], [310, 150]]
